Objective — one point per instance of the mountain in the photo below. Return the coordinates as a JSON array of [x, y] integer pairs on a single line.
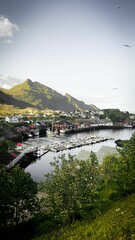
[[37, 95], [9, 100], [80, 105]]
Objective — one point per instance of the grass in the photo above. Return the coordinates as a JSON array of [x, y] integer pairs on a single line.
[[117, 223]]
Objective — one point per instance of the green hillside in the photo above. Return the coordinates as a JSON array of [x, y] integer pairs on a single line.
[[117, 223], [93, 201], [40, 96], [10, 100], [77, 200]]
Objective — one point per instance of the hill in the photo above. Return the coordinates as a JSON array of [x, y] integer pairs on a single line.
[[9, 100], [40, 96], [118, 222]]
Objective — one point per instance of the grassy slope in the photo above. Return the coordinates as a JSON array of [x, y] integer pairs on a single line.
[[10, 109], [117, 223], [40, 96]]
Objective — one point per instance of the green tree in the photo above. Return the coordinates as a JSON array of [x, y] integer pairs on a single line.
[[119, 171], [4, 155], [18, 199], [110, 167], [115, 115], [24, 195], [72, 188], [6, 212], [127, 153]]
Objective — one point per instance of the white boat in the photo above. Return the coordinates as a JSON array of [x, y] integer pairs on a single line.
[[127, 126], [36, 133], [62, 131], [56, 131], [49, 132], [30, 135]]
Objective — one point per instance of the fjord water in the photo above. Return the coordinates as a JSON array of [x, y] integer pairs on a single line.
[[41, 166]]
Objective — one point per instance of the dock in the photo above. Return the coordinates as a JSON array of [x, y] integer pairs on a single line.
[[57, 146], [75, 143], [30, 150]]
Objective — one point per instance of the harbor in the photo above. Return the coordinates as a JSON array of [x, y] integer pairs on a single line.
[[41, 166], [73, 142], [58, 144], [55, 146], [37, 153]]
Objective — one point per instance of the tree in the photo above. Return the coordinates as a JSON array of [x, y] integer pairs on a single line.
[[5, 157], [119, 171], [6, 212], [72, 188], [18, 199], [115, 115], [110, 167], [127, 153]]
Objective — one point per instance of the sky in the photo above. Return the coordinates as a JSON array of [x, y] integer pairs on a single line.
[[85, 48]]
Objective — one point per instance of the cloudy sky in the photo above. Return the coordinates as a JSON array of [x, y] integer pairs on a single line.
[[82, 47]]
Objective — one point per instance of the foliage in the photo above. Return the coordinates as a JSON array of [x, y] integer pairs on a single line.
[[119, 171], [128, 165], [4, 146], [68, 191], [120, 143], [115, 115], [117, 223], [72, 188], [18, 200]]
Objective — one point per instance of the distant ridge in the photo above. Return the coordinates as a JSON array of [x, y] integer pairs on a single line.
[[80, 105], [37, 95]]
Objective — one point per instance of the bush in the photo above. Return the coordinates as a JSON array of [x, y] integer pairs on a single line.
[[71, 190]]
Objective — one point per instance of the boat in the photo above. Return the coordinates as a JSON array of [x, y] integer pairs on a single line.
[[49, 132], [62, 131], [127, 125], [30, 135], [56, 131], [36, 132]]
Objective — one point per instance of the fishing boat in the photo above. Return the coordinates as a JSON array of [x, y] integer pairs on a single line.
[[62, 131], [49, 132], [56, 131]]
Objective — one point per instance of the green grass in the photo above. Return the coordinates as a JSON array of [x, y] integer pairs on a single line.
[[117, 223]]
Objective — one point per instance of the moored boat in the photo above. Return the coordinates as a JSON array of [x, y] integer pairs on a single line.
[[62, 131]]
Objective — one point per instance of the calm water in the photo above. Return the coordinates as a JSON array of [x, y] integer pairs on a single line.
[[41, 166]]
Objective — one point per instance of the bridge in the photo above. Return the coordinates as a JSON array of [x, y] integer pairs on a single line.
[[21, 155]]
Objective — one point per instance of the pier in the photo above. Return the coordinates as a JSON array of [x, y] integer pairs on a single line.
[[56, 146], [94, 127], [35, 151]]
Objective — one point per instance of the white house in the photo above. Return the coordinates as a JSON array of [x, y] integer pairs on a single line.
[[12, 119], [105, 122]]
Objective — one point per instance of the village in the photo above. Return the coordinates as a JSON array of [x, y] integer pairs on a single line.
[[52, 122]]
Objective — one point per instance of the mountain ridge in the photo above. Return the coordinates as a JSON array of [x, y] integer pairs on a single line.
[[80, 105], [40, 96]]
